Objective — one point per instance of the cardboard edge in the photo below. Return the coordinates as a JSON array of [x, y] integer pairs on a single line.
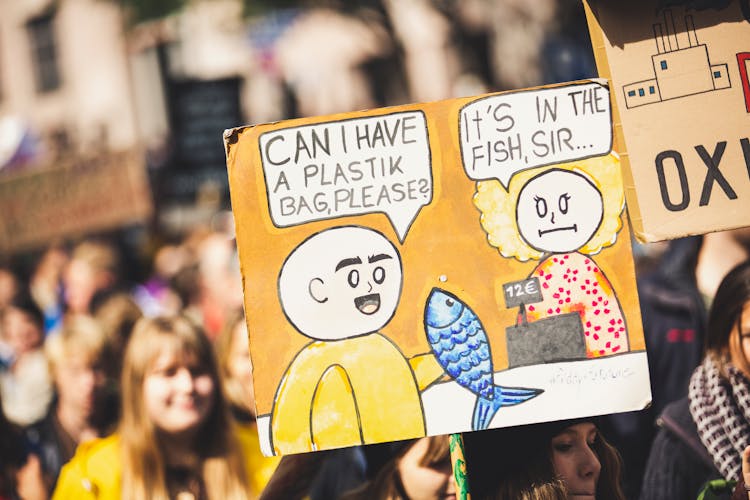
[[602, 67], [231, 136]]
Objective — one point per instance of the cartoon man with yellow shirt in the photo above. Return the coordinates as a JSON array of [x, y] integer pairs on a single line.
[[350, 385]]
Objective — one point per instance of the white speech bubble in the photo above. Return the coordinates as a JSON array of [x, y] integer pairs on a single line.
[[349, 167], [504, 134]]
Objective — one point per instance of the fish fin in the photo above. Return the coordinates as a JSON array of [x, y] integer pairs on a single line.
[[485, 409], [483, 412], [509, 396]]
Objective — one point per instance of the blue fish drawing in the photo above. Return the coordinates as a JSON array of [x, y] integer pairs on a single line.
[[460, 344]]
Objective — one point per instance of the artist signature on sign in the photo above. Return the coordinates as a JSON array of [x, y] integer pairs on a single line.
[[580, 376]]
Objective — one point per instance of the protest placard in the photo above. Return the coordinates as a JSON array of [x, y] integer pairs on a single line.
[[679, 76], [436, 268], [71, 200]]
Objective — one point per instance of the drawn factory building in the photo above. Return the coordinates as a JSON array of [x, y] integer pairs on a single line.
[[680, 71]]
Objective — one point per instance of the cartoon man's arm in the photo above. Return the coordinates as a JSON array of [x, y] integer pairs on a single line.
[[314, 407], [426, 370], [290, 418]]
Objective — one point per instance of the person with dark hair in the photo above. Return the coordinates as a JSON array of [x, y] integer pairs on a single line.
[[420, 469], [25, 384], [414, 469], [322, 475], [20, 472], [549, 461], [674, 297], [702, 436]]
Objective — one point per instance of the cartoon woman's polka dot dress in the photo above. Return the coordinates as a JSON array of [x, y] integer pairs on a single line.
[[572, 282]]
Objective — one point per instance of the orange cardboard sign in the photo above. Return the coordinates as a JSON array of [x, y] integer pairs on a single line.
[[436, 268]]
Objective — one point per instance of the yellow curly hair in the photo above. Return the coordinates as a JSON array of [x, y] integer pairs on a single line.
[[498, 206]]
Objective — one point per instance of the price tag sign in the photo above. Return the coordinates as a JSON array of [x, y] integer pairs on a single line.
[[522, 292]]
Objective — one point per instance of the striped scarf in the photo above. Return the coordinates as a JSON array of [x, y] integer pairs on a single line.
[[721, 410]]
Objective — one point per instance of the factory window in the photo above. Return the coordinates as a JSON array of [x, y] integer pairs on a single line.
[[651, 89], [44, 52], [641, 92], [631, 93], [717, 74], [664, 65]]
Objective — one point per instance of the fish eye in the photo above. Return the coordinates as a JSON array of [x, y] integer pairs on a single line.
[[449, 302], [353, 278]]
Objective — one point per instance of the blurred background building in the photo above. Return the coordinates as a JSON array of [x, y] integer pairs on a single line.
[[134, 94]]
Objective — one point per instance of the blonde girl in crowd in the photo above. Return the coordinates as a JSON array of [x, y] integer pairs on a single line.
[[176, 438]]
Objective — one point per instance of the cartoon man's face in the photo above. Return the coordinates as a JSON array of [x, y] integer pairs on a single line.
[[559, 211], [340, 283]]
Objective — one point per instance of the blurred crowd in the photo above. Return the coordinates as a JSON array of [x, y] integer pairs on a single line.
[[344, 56], [143, 389], [68, 376]]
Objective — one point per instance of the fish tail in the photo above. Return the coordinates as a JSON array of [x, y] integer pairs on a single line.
[[508, 396], [485, 408]]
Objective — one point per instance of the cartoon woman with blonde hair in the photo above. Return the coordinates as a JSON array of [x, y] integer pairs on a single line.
[[562, 215]]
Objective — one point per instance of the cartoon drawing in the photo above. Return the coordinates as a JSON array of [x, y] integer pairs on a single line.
[[548, 340], [460, 344], [679, 71], [351, 384], [562, 216]]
